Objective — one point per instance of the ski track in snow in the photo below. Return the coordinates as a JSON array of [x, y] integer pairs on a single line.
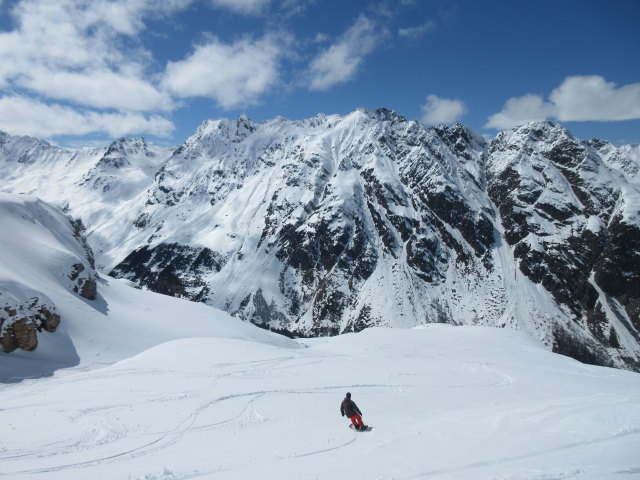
[[441, 409], [534, 454], [172, 437], [169, 438]]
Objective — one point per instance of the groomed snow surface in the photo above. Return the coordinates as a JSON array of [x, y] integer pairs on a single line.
[[445, 403]]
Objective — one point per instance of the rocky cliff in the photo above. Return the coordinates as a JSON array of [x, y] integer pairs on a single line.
[[333, 224]]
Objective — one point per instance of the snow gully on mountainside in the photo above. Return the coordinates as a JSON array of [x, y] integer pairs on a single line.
[[336, 223]]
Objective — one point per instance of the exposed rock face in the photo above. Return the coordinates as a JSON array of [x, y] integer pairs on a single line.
[[19, 325], [171, 269], [573, 225], [334, 224], [84, 278]]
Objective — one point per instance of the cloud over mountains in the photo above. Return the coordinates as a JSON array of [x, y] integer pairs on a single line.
[[131, 67], [578, 98], [72, 67]]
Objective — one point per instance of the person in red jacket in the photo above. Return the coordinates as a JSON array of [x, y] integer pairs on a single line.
[[349, 408]]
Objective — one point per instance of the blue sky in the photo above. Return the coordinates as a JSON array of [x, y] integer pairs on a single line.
[[85, 71]]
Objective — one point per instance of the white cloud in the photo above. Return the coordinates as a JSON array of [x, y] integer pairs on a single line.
[[583, 98], [419, 31], [232, 74], [519, 110], [340, 62], [80, 43], [289, 8], [23, 116], [88, 54], [102, 89], [244, 7], [442, 110], [578, 98]]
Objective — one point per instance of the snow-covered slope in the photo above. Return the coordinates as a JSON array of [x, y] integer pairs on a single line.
[[449, 403], [571, 212], [332, 224], [47, 282], [144, 386], [321, 226], [44, 256], [101, 186]]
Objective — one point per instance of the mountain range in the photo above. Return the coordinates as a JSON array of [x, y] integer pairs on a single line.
[[337, 223]]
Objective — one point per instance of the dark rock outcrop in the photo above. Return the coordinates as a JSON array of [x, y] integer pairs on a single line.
[[563, 212], [20, 324], [171, 269]]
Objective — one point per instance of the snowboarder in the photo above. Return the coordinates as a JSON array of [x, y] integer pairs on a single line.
[[351, 410]]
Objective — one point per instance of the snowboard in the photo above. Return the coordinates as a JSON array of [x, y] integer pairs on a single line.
[[367, 428]]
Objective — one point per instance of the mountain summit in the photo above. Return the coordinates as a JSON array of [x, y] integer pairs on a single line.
[[336, 223]]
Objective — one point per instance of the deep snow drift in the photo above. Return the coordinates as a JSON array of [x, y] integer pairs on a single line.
[[445, 403]]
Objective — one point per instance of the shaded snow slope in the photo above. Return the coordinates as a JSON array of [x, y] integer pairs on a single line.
[[449, 403], [39, 244]]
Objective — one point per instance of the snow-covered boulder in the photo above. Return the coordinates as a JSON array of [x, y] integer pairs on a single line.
[[20, 323]]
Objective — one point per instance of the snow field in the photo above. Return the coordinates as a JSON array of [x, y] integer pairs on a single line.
[[445, 402]]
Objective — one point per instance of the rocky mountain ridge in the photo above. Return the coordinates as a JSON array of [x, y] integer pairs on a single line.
[[333, 224]]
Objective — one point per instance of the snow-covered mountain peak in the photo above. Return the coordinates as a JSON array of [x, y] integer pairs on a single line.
[[532, 136], [623, 158], [362, 117], [335, 223], [212, 135], [539, 129], [125, 146], [231, 130], [382, 114], [460, 134], [131, 151], [25, 149]]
